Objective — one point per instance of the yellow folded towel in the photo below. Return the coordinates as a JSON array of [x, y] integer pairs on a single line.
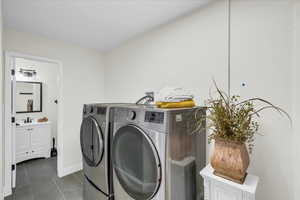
[[182, 104]]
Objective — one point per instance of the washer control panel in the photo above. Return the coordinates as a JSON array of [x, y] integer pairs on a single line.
[[154, 117], [101, 110], [88, 109], [132, 115]]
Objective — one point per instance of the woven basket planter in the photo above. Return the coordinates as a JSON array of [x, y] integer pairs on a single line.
[[230, 160]]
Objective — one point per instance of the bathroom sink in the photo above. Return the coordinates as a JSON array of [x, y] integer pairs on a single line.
[[30, 123]]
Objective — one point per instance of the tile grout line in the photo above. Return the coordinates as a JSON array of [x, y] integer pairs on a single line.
[[26, 175], [58, 188], [63, 195], [30, 183], [78, 179]]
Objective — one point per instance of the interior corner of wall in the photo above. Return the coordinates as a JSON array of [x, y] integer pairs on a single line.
[[65, 171]]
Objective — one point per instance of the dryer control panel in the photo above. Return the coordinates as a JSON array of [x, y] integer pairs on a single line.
[[154, 117]]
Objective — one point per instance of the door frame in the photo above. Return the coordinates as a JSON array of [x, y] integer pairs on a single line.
[[8, 154]]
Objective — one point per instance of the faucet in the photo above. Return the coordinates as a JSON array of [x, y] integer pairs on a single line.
[[28, 120]]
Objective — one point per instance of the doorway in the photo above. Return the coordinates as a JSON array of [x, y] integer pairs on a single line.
[[32, 116]]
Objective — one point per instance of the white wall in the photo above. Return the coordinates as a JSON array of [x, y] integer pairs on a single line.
[[82, 82], [187, 53], [296, 98], [47, 73], [262, 38], [1, 110]]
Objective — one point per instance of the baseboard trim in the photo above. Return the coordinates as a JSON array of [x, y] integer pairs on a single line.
[[7, 191], [70, 170]]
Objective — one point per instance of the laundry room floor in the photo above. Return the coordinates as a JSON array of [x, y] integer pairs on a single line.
[[38, 180]]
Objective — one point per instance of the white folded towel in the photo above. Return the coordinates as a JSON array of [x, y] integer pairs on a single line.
[[173, 94]]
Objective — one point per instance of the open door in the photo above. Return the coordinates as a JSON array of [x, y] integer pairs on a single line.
[[11, 60], [10, 125]]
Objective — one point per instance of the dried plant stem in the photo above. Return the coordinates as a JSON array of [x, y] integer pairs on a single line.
[[233, 120]]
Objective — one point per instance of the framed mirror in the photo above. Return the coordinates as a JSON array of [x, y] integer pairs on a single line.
[[28, 97]]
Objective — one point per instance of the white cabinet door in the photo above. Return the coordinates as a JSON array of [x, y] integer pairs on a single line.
[[33, 142], [22, 144], [40, 141]]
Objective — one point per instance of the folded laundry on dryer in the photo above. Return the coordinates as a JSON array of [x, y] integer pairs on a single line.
[[183, 104], [170, 97], [173, 94]]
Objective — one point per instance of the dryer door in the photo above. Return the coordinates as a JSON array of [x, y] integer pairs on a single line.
[[92, 144], [136, 163]]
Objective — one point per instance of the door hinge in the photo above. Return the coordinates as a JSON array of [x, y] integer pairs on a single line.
[[13, 167], [13, 120], [13, 72]]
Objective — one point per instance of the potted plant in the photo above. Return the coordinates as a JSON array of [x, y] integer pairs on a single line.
[[233, 126]]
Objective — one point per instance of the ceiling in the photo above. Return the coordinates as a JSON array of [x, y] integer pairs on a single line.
[[98, 24]]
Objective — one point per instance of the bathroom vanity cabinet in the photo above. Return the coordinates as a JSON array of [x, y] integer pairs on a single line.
[[33, 140]]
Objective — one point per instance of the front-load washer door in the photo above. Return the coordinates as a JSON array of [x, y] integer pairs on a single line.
[[93, 147], [92, 143], [136, 163]]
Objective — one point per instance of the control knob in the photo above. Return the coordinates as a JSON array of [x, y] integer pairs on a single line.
[[132, 115], [91, 109]]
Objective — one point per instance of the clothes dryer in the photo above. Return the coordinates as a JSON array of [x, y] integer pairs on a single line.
[[157, 154]]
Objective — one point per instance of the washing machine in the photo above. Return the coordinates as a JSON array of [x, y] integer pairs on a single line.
[[95, 145], [157, 153]]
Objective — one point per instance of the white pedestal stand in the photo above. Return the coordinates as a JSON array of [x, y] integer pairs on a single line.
[[217, 188]]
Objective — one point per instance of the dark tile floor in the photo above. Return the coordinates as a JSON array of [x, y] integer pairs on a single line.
[[37, 180]]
